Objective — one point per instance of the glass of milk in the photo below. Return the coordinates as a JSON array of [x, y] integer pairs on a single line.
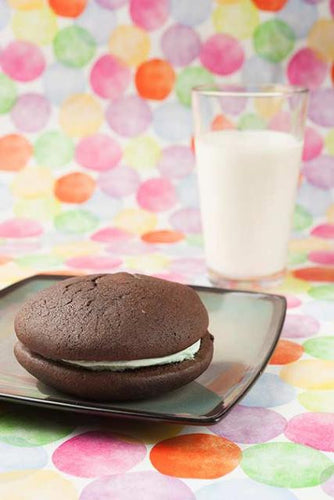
[[248, 144]]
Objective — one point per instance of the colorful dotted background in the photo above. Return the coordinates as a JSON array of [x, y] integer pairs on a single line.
[[97, 174]]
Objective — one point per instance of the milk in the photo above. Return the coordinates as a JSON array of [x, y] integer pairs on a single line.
[[247, 185]]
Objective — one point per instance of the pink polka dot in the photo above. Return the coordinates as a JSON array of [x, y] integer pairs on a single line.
[[22, 61], [121, 181], [20, 228], [177, 278], [98, 152], [325, 231], [156, 195], [180, 44], [176, 162], [321, 107], [188, 265], [331, 6], [312, 429], [122, 247], [324, 257], [186, 220], [149, 14], [328, 486], [109, 77], [307, 69], [129, 115], [93, 262], [110, 234], [292, 301], [250, 425], [313, 144], [98, 454], [320, 171], [298, 326], [31, 112], [111, 4], [281, 122], [222, 54]]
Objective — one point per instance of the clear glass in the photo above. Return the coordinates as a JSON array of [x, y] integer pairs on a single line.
[[248, 143]]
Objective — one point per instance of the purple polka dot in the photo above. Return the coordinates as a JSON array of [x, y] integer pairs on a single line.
[[312, 429], [93, 262], [321, 107], [98, 152], [122, 247], [151, 486], [325, 231], [111, 4], [320, 171], [129, 115], [324, 257], [110, 234], [313, 144], [188, 265], [298, 326], [31, 112], [98, 453], [186, 220], [22, 61], [250, 425], [222, 54], [156, 195], [292, 301], [121, 181], [180, 44], [307, 69], [20, 228], [109, 77], [149, 14], [176, 162], [328, 486], [20, 248], [233, 105]]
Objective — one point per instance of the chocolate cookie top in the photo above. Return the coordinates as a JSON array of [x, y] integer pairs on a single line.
[[109, 317]]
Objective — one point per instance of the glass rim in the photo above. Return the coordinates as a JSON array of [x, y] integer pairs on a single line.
[[265, 90]]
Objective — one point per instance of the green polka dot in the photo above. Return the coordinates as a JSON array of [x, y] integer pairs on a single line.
[[301, 219], [39, 261], [76, 221], [41, 209], [189, 78], [7, 93], [74, 46], [322, 401], [286, 465], [274, 40], [320, 347], [322, 292], [329, 142], [195, 240], [28, 429], [53, 149], [142, 153], [251, 121], [297, 258]]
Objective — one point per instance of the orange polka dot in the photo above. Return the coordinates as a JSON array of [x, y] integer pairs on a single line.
[[286, 352], [315, 273], [66, 8], [4, 260], [164, 236], [220, 122], [74, 188], [155, 79], [15, 152], [272, 5], [200, 456]]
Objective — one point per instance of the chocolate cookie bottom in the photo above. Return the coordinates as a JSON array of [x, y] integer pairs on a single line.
[[115, 386]]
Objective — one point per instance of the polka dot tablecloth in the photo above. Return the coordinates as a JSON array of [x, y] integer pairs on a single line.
[[97, 174]]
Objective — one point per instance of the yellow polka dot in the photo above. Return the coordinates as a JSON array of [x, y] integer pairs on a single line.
[[25, 485], [37, 26], [12, 272], [80, 115], [238, 19], [129, 43], [322, 401], [148, 263], [310, 374], [26, 4], [330, 214], [308, 244], [292, 285], [329, 142], [135, 220], [268, 107], [41, 209], [76, 249], [142, 153], [321, 39], [33, 182]]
